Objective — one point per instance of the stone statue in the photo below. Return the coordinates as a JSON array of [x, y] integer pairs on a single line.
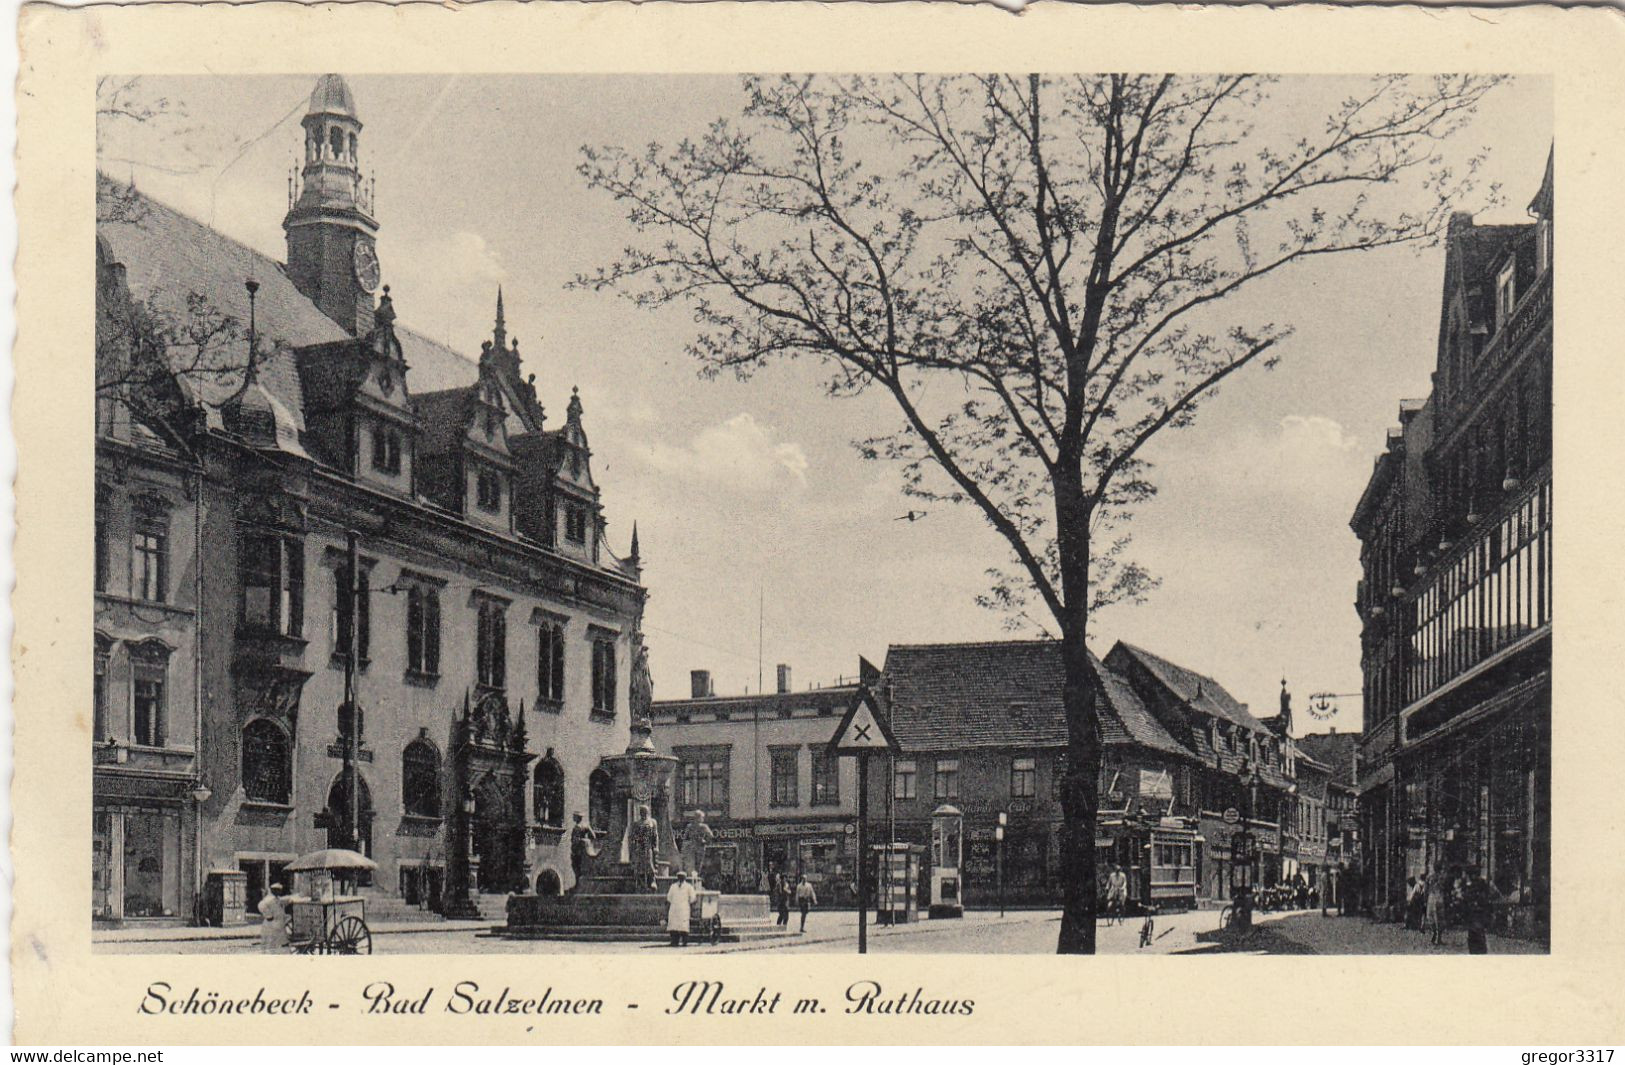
[[645, 843], [696, 834], [642, 694]]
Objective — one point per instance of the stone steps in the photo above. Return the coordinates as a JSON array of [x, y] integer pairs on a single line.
[[598, 934]]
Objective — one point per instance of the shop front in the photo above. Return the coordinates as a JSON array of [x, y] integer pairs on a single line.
[[143, 864], [741, 857]]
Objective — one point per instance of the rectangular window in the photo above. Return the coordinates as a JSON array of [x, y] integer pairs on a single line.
[[1023, 778], [550, 662], [149, 704], [826, 777], [343, 608], [423, 631], [273, 583], [603, 675], [489, 495], [491, 645], [575, 524], [103, 502], [386, 449], [702, 781], [99, 693], [1505, 293], [149, 554], [784, 783], [947, 778], [904, 780]]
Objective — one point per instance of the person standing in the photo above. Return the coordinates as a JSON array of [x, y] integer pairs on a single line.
[[806, 899], [274, 922], [679, 908], [781, 899], [1435, 908], [1478, 901]]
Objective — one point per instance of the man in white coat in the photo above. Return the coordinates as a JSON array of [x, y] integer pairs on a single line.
[[679, 901], [274, 922]]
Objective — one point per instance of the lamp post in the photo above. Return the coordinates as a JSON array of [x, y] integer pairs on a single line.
[[998, 843], [1244, 899]]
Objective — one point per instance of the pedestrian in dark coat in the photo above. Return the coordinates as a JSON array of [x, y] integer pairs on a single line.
[[1478, 902], [781, 897]]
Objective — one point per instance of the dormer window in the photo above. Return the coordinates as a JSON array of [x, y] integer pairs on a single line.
[[575, 524], [489, 490], [1505, 293], [490, 425], [1543, 245], [386, 449]]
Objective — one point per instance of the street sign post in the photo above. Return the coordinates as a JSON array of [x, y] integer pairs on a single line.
[[861, 733]]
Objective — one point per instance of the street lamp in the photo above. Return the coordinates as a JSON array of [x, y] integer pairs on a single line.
[[1244, 901]]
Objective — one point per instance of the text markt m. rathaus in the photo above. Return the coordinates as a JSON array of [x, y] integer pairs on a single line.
[[702, 997]]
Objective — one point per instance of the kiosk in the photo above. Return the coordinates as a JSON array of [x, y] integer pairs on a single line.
[[947, 847], [897, 872]]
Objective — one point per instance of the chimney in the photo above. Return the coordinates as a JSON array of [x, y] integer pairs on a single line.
[[699, 681], [784, 679]]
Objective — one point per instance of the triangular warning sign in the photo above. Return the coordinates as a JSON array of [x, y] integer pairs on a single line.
[[862, 729]]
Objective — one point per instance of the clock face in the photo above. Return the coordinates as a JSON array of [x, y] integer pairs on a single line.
[[366, 265]]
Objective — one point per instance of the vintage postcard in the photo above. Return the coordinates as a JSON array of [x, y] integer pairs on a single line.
[[778, 523]]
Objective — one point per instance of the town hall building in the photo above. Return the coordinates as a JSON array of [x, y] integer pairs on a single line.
[[353, 588]]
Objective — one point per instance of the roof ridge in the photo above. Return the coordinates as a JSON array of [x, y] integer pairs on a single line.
[[1035, 641]]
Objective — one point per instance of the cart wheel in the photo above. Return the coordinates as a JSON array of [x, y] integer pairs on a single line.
[[350, 936], [310, 946], [1227, 918]]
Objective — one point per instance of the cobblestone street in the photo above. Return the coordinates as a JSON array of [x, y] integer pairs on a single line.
[[979, 932]]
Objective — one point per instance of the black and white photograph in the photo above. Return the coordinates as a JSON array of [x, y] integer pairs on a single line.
[[952, 513]]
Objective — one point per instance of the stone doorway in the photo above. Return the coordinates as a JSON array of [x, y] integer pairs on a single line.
[[338, 806], [499, 836]]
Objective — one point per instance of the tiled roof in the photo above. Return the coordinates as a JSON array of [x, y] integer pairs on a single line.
[[168, 256], [1336, 749], [1002, 694], [1202, 693]]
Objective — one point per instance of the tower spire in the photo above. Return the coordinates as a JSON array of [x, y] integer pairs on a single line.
[[635, 541], [499, 335]]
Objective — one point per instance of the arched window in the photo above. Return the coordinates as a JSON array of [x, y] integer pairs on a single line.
[[267, 772], [420, 779], [600, 800], [548, 793]]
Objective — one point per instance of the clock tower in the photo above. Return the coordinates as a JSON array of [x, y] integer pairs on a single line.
[[332, 254]]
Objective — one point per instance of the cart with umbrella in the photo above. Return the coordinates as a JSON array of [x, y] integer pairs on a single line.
[[325, 914]]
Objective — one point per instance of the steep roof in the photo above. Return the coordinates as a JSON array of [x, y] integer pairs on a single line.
[[1199, 691], [170, 258], [1002, 694], [1336, 749]]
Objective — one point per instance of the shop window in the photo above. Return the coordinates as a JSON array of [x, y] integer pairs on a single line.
[[1023, 778], [151, 864], [904, 780], [273, 583], [547, 793], [491, 645], [603, 675], [550, 662], [267, 762], [149, 666], [826, 777], [420, 779], [149, 552], [423, 630], [386, 448], [784, 785], [947, 778], [348, 613]]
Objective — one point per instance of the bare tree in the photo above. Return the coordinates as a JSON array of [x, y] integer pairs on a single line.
[[1063, 250]]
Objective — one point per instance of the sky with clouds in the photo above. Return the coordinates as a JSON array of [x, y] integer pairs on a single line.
[[764, 533]]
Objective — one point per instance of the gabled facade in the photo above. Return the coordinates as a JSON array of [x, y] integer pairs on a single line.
[[368, 641]]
